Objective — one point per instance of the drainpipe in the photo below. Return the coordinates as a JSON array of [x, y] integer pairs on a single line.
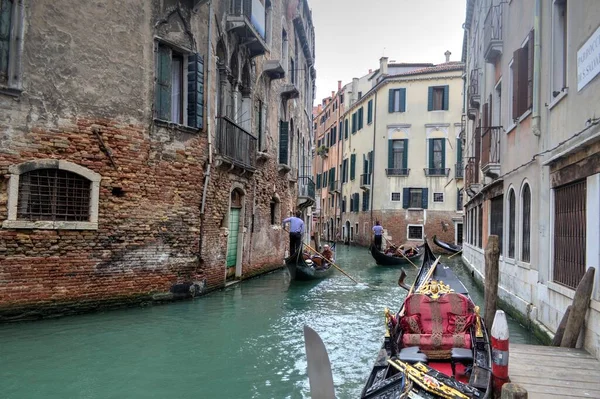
[[536, 68], [208, 108]]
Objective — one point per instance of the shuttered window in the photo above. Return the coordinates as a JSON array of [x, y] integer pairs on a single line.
[[341, 131], [345, 170], [354, 123], [352, 166], [397, 100], [365, 201], [283, 142], [511, 224], [346, 129], [415, 198], [438, 98], [398, 156], [526, 229], [496, 219], [437, 156], [360, 118], [370, 112], [522, 70]]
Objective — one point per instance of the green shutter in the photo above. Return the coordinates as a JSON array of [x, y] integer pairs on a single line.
[[446, 97], [405, 197], [430, 99], [283, 142], [431, 146], [391, 101], [402, 100], [354, 123], [318, 181], [458, 150], [390, 154], [341, 127], [425, 198], [325, 176], [370, 112], [361, 111], [405, 155], [365, 165], [443, 153], [352, 166], [195, 107], [163, 83], [346, 129], [371, 161]]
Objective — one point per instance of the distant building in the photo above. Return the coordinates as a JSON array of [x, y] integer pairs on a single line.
[[396, 143], [532, 152]]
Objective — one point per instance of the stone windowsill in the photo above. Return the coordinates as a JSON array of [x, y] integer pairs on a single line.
[[10, 91], [48, 225], [176, 126]]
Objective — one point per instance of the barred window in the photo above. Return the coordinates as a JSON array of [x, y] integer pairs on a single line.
[[52, 194], [415, 232]]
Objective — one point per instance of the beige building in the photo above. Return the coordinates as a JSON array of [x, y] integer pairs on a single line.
[[532, 144]]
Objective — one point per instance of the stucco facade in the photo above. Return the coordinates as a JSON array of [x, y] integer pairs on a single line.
[[533, 169], [121, 182]]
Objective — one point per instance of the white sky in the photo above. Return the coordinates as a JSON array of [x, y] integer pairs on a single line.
[[352, 35]]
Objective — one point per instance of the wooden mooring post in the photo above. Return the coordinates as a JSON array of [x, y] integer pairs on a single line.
[[492, 257], [576, 317]]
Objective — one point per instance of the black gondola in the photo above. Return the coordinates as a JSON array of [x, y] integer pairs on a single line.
[[387, 260], [436, 346], [301, 269], [447, 246]]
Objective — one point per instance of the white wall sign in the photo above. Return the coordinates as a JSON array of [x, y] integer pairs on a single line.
[[588, 60]]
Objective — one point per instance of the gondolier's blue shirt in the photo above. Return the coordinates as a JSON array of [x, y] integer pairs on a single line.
[[296, 224], [378, 230]]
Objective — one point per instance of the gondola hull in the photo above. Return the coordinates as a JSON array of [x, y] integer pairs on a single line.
[[300, 270], [385, 260], [412, 363], [447, 246]]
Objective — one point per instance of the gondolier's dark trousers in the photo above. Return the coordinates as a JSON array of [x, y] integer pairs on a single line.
[[377, 242], [295, 242]]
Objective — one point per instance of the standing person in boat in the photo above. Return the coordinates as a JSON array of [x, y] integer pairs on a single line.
[[378, 231], [296, 231]]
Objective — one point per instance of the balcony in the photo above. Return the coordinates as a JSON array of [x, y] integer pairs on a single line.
[[492, 34], [247, 18], [472, 176], [490, 152], [274, 70], [474, 94], [365, 181], [337, 187], [235, 145], [333, 186], [436, 172], [306, 192], [290, 91], [459, 170], [397, 172]]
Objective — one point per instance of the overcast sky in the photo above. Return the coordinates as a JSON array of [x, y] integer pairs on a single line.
[[352, 35]]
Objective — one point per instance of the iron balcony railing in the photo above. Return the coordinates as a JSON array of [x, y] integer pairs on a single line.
[[459, 170], [397, 172], [472, 171], [492, 33], [436, 171], [490, 146], [473, 91], [236, 144], [306, 187], [365, 179], [254, 10]]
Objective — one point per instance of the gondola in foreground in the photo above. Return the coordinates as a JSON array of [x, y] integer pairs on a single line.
[[387, 260], [436, 346], [447, 246], [302, 269]]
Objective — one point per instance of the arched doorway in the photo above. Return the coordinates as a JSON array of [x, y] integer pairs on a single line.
[[233, 239]]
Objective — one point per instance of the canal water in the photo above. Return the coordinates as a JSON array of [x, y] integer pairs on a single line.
[[245, 341]]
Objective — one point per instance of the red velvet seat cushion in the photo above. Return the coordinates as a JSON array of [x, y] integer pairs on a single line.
[[411, 324], [436, 341]]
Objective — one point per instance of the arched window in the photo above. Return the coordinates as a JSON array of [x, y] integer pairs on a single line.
[[52, 194], [511, 223], [526, 227]]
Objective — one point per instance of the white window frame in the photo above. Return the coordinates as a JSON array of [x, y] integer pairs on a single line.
[[13, 196], [399, 196], [438, 202], [562, 61], [408, 230], [184, 53]]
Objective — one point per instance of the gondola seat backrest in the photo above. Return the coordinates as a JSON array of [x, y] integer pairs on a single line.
[[437, 324]]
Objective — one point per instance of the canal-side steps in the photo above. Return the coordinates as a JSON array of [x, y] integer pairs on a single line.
[[554, 372]]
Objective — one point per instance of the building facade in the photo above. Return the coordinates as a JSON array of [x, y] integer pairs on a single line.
[[153, 160], [531, 147]]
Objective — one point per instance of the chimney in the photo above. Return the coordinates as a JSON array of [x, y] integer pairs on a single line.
[[447, 54], [332, 94], [383, 66], [354, 96], [339, 85]]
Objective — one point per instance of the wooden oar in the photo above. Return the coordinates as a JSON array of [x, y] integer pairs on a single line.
[[427, 277], [453, 255], [318, 365], [330, 262], [401, 253]]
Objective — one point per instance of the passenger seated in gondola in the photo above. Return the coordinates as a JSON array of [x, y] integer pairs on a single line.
[[391, 250], [410, 252], [322, 261]]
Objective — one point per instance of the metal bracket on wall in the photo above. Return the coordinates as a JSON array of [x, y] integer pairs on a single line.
[[103, 146]]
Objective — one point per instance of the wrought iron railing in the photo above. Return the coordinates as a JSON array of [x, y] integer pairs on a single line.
[[472, 171], [365, 179], [473, 91], [236, 144], [492, 28], [490, 146], [459, 170], [436, 171], [306, 187], [254, 10], [397, 172]]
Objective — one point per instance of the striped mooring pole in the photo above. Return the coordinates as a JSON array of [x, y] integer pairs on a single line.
[[500, 336]]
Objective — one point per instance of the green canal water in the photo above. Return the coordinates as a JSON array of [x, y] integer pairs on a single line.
[[242, 342]]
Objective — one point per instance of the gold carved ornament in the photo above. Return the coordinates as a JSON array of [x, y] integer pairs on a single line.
[[478, 328], [434, 289]]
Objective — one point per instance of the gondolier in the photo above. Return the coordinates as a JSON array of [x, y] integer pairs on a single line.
[[296, 231], [378, 231]]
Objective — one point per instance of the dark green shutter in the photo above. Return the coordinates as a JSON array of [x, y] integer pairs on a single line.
[[405, 155], [283, 141], [446, 97], [352, 166], [425, 197], [354, 123], [431, 146], [318, 181], [406, 198], [402, 100], [370, 161], [390, 154], [346, 129], [163, 83], [361, 112], [430, 99], [370, 112], [391, 101], [443, 153], [458, 150], [195, 107], [325, 176], [341, 127], [365, 165]]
